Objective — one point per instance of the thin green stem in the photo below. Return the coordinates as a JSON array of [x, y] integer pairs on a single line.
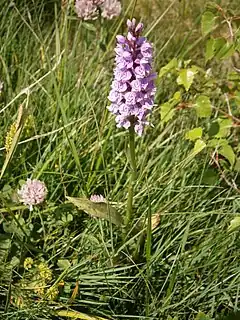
[[133, 170]]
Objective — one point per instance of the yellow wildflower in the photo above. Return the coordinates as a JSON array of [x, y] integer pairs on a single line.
[[52, 293], [45, 272], [9, 137], [28, 262]]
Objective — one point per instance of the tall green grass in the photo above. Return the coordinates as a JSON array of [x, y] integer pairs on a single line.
[[63, 68]]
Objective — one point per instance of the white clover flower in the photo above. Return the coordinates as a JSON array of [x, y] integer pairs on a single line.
[[33, 192], [111, 9], [86, 9]]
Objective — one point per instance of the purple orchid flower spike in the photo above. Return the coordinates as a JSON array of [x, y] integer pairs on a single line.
[[133, 89]]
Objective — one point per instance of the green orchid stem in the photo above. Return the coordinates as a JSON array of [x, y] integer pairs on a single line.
[[133, 165]]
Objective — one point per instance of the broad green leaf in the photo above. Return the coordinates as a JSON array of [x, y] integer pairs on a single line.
[[97, 209], [234, 224], [207, 23], [199, 146], [203, 107], [64, 264], [225, 126], [210, 49], [77, 315], [215, 143], [202, 316], [186, 77], [168, 67], [228, 153], [214, 128], [194, 134], [166, 112]]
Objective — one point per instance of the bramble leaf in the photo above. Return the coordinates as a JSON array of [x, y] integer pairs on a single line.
[[194, 134], [199, 146], [186, 77], [228, 153], [208, 22], [224, 128], [203, 107]]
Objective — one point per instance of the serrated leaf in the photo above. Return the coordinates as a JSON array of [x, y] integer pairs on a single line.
[[194, 134], [186, 77], [224, 128], [208, 22], [168, 67], [97, 209], [203, 107], [210, 49], [64, 264], [228, 153], [234, 224], [199, 146], [166, 112]]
